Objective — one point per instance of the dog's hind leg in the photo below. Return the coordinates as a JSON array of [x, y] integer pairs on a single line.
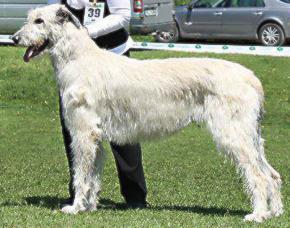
[[274, 184], [88, 159], [235, 131]]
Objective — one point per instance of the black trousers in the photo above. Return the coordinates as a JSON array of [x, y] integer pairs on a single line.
[[128, 160]]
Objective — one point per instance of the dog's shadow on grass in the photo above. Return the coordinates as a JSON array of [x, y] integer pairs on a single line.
[[107, 204], [53, 202], [50, 202]]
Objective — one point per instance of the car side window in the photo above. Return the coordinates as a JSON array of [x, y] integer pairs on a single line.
[[285, 1], [222, 3], [203, 4], [207, 3], [245, 3], [260, 3]]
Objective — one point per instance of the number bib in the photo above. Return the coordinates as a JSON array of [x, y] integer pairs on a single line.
[[94, 12]]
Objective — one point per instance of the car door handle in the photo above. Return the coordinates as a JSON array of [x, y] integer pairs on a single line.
[[188, 23], [258, 13], [218, 13]]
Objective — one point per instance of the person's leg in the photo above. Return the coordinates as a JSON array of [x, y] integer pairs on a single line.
[[130, 171], [128, 160], [67, 141]]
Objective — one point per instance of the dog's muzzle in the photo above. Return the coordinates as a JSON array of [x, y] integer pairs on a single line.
[[35, 50]]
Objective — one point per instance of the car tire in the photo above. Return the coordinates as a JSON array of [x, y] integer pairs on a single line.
[[170, 36], [271, 34]]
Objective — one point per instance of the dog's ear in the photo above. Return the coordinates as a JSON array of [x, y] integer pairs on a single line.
[[64, 15]]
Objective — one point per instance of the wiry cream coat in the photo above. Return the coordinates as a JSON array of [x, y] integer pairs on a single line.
[[123, 100]]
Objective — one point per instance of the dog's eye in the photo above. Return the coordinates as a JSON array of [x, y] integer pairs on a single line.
[[38, 21]]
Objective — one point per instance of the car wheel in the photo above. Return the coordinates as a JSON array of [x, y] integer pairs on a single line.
[[271, 35], [168, 36]]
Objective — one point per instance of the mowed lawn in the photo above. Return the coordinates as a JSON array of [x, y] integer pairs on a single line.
[[189, 183]]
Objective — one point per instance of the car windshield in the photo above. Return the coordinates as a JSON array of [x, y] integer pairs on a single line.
[[285, 1]]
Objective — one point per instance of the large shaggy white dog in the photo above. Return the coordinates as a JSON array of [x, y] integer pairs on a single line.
[[111, 97]]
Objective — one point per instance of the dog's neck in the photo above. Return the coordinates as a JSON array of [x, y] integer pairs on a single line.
[[74, 47], [69, 46]]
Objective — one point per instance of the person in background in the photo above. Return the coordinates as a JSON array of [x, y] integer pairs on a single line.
[[107, 23]]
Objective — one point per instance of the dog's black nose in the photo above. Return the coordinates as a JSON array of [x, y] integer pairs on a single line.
[[15, 39]]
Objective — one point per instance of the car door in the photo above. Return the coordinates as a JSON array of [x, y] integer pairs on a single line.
[[16, 13], [240, 17], [203, 19]]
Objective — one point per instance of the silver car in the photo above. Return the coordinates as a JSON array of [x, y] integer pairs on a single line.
[[267, 21]]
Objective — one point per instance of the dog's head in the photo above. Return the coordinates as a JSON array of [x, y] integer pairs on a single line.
[[44, 26]]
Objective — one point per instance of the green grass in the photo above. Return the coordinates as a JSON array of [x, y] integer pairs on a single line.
[[189, 183]]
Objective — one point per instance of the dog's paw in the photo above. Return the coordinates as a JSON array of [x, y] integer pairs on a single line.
[[277, 212], [257, 217], [69, 210], [276, 207]]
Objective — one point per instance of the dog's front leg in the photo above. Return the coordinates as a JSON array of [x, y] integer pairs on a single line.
[[87, 165], [88, 159]]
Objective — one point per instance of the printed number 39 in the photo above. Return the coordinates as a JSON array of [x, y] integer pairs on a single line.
[[94, 12]]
